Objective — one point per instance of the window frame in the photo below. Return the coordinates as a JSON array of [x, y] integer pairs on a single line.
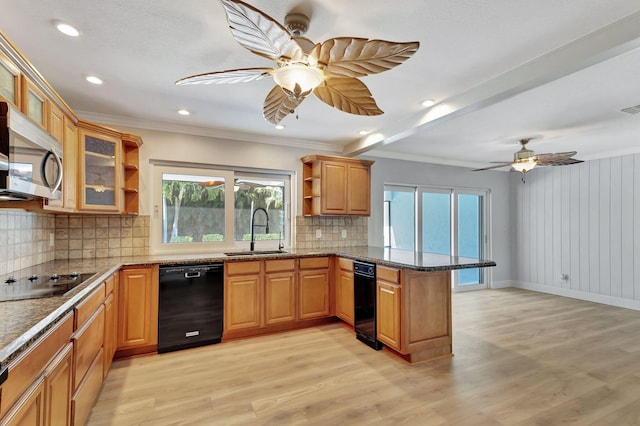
[[158, 168]]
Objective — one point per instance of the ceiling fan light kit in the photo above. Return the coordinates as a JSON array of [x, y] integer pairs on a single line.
[[330, 70]]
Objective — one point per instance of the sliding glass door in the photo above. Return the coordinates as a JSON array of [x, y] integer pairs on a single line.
[[469, 236], [446, 221]]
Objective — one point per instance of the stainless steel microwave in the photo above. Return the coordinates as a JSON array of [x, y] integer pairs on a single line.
[[30, 158]]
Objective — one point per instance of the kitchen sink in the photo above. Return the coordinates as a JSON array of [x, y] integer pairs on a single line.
[[253, 253]]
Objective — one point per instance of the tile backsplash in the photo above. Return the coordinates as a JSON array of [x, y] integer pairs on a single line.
[[25, 239], [356, 231], [93, 236]]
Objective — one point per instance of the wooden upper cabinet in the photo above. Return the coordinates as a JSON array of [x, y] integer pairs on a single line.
[[100, 174], [336, 186], [130, 173], [34, 103], [9, 81]]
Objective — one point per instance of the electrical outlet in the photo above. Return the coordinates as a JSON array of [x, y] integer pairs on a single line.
[[52, 240], [318, 233], [344, 233]]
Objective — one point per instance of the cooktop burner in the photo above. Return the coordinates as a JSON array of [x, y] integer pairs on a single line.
[[35, 287]]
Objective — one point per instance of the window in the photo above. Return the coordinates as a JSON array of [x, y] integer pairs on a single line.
[[441, 221], [196, 209]]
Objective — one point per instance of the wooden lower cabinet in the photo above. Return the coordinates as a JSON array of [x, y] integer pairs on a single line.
[[280, 291], [137, 311], [263, 296], [243, 296], [29, 410], [344, 291], [388, 313], [313, 288], [58, 386], [22, 395]]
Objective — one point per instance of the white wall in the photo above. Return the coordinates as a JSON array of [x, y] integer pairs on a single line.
[[581, 220], [409, 172]]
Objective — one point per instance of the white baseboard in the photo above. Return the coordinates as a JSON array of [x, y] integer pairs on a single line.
[[501, 284], [575, 294]]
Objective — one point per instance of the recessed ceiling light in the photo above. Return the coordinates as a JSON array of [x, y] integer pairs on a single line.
[[93, 79], [364, 132], [279, 126], [66, 29], [428, 103], [183, 112]]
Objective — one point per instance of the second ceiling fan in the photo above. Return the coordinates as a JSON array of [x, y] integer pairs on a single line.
[[525, 160]]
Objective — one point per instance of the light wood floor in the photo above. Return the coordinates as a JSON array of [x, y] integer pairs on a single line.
[[520, 358]]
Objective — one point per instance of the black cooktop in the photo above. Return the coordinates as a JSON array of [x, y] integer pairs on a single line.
[[36, 287]]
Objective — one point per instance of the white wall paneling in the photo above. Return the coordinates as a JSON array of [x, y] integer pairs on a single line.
[[581, 220]]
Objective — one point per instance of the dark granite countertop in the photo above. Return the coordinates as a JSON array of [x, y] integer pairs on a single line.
[[23, 321]]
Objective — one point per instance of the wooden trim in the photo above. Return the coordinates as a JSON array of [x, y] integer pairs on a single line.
[[318, 157]]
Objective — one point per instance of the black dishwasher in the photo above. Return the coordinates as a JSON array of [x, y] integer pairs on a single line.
[[364, 297], [190, 309]]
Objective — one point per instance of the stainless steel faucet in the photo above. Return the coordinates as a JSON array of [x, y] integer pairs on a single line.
[[253, 225]]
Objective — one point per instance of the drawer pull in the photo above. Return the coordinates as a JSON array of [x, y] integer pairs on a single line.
[[387, 290]]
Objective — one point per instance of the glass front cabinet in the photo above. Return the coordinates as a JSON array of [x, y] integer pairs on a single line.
[[100, 171]]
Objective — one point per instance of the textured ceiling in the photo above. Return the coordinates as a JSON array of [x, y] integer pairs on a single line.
[[499, 71]]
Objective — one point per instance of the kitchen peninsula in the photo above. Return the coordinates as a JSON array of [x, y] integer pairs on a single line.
[[414, 309]]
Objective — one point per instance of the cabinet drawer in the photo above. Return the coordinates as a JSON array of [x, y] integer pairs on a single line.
[[280, 265], [26, 368], [88, 306], [388, 274], [345, 264], [239, 268], [314, 262], [86, 343], [87, 392]]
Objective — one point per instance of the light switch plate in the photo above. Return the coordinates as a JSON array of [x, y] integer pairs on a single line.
[[318, 233], [344, 233]]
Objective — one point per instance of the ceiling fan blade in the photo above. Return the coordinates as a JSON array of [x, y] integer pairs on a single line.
[[497, 166], [357, 57], [348, 95], [558, 155], [227, 77], [559, 161], [278, 105], [260, 33]]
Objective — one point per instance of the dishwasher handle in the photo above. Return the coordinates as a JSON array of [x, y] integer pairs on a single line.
[[195, 274]]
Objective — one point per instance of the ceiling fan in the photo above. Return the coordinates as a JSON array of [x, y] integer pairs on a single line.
[[329, 70], [525, 160]]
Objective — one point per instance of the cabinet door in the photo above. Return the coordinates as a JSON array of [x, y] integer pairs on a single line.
[[58, 388], [34, 103], [344, 296], [359, 184], [99, 176], [314, 294], [242, 307], [138, 307], [388, 314], [9, 81], [280, 297], [29, 410], [334, 188]]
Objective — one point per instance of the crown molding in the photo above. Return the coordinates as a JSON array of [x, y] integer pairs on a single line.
[[114, 120]]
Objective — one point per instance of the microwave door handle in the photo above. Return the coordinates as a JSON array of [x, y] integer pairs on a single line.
[[43, 171]]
